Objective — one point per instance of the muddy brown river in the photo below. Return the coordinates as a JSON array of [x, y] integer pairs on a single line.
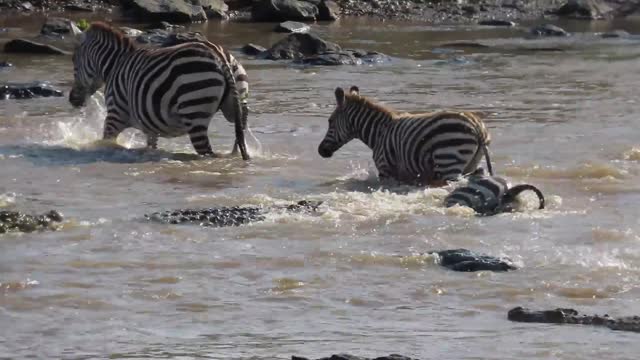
[[351, 278]]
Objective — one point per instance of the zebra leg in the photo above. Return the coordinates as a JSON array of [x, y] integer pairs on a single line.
[[152, 141], [113, 126], [200, 141]]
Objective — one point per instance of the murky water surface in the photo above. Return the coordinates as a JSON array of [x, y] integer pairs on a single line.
[[110, 285]]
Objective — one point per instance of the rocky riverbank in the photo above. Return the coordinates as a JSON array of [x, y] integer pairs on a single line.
[[490, 12]]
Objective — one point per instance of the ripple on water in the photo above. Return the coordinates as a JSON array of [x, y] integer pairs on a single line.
[[583, 171]]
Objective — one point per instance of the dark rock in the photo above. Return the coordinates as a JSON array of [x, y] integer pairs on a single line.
[[292, 27], [26, 6], [328, 10], [283, 10], [28, 91], [615, 34], [5, 64], [59, 26], [548, 30], [227, 216], [79, 7], [497, 23], [298, 46], [215, 9], [14, 221], [178, 11], [585, 9], [571, 316], [467, 261], [253, 49], [31, 47]]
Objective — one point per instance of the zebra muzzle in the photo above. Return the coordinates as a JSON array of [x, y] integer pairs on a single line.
[[325, 151], [75, 99]]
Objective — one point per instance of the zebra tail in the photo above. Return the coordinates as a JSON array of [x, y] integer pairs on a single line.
[[511, 194], [487, 158], [238, 110]]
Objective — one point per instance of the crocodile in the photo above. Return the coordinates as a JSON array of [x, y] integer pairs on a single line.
[[228, 216], [571, 316], [467, 261], [15, 221]]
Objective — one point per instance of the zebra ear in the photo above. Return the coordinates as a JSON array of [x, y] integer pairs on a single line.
[[339, 96], [354, 91]]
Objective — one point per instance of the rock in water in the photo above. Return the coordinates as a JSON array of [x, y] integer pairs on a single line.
[[298, 46], [328, 10], [283, 10], [292, 27], [31, 47], [14, 221], [55, 26], [253, 49], [585, 9], [497, 23], [178, 11]]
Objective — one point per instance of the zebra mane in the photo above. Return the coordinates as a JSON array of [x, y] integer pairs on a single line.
[[104, 28], [366, 102]]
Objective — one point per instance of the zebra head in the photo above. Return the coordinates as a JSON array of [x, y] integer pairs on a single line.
[[340, 130], [86, 78]]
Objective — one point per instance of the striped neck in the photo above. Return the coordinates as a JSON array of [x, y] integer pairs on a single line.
[[369, 123], [106, 50]]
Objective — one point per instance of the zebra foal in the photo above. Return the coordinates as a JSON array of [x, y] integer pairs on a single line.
[[420, 149], [165, 92]]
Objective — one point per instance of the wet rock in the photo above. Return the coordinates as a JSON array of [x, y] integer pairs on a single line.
[[31, 47], [354, 357], [178, 11], [615, 34], [26, 6], [298, 46], [283, 10], [14, 221], [55, 26], [328, 10], [571, 316], [28, 91], [467, 261], [227, 216], [5, 64], [585, 9], [253, 49], [164, 25], [497, 23], [548, 30], [292, 27], [215, 9]]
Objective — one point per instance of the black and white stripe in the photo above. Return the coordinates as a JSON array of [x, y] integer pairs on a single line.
[[164, 92], [488, 195], [425, 149]]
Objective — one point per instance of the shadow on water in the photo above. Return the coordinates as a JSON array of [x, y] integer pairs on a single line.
[[56, 155]]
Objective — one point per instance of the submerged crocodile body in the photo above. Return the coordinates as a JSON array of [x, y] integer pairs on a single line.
[[14, 221], [467, 261], [570, 316], [228, 216]]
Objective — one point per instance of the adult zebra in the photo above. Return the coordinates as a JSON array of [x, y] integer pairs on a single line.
[[421, 149], [164, 92]]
